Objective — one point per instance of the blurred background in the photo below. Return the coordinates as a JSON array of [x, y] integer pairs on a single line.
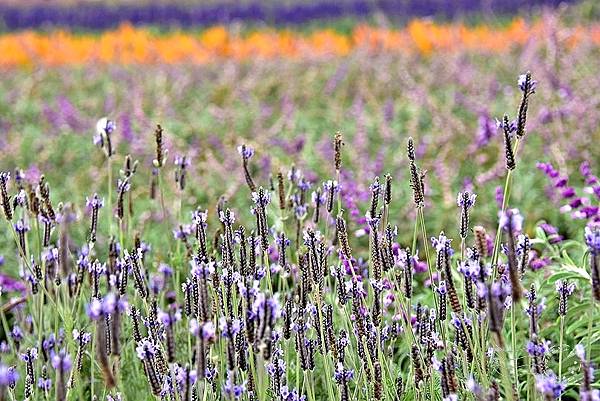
[[80, 14]]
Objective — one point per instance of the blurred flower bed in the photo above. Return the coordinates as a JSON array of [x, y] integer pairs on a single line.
[[103, 15], [130, 45]]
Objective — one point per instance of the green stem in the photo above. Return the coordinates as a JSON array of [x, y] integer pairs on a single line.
[[590, 325], [505, 199], [513, 336], [109, 214], [505, 374], [162, 195], [560, 350], [414, 241]]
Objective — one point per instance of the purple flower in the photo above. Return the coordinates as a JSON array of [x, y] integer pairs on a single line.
[[21, 198], [261, 198], [182, 161], [466, 199], [105, 126], [181, 375], [343, 375], [282, 241], [420, 265], [123, 185], [245, 151], [586, 171], [81, 336], [442, 242], [276, 371], [512, 126], [227, 216], [44, 384], [565, 287], [499, 196], [457, 321], [486, 130], [317, 197], [210, 373], [205, 330], [514, 217], [16, 333], [61, 361], [157, 283], [568, 192], [231, 390], [146, 349], [94, 309], [5, 176], [592, 238], [182, 231], [291, 395], [168, 319], [331, 186], [8, 376], [50, 255], [94, 202], [260, 306], [201, 268], [549, 385], [294, 174], [538, 348], [304, 184], [199, 217], [29, 356], [522, 83], [165, 269], [587, 212], [49, 343], [252, 291], [469, 268], [537, 263], [552, 233], [99, 308], [21, 226]]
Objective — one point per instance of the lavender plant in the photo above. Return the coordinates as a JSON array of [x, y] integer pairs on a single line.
[[266, 302]]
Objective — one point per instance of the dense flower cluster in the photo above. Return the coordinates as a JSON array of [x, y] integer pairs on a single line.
[[312, 288]]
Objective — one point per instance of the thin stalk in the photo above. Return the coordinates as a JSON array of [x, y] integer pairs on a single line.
[[109, 214], [325, 354], [589, 329], [414, 241], [513, 336], [310, 386], [560, 350], [162, 194], [92, 363], [339, 193], [429, 268], [24, 258], [505, 375], [505, 199]]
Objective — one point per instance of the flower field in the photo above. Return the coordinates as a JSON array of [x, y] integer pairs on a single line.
[[386, 212]]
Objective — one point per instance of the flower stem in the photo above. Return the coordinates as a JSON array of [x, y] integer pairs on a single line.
[[560, 350], [110, 211], [513, 336]]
